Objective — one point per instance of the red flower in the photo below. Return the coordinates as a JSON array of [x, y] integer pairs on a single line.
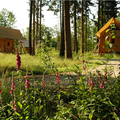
[[57, 78], [27, 83]]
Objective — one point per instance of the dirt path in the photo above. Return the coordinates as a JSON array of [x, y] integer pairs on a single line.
[[112, 67]]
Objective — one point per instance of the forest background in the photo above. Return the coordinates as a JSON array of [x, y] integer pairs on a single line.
[[77, 33]]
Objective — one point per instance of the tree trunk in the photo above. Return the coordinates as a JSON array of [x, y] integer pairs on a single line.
[[62, 46], [82, 27], [85, 26], [102, 13], [68, 51], [37, 19], [30, 28], [75, 31], [33, 27], [40, 17], [98, 17]]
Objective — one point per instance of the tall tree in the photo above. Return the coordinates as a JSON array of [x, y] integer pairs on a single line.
[[67, 34], [62, 46], [37, 15], [75, 29], [82, 28], [30, 27], [34, 27]]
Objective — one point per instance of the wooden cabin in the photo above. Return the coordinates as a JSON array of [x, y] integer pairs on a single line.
[[101, 35], [7, 37]]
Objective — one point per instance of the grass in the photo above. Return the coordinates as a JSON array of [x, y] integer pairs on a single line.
[[36, 64]]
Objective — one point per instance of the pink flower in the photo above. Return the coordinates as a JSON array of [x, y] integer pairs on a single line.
[[18, 60], [91, 88], [43, 81], [99, 78], [0, 101], [11, 92], [57, 78], [0, 91], [91, 84], [12, 87], [101, 85]]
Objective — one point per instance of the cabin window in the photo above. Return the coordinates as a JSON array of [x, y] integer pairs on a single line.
[[8, 43], [113, 40]]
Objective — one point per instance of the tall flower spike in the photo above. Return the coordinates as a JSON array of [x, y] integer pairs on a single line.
[[18, 60], [91, 84], [27, 82], [12, 87], [57, 78], [43, 81]]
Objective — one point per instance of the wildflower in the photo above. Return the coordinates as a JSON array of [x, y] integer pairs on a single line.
[[0, 102], [27, 82], [12, 87], [57, 78], [101, 85], [83, 64], [18, 60], [43, 81], [91, 84]]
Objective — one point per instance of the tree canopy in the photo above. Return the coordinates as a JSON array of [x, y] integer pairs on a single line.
[[7, 18]]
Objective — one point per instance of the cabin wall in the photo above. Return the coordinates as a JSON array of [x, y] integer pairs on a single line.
[[6, 45], [116, 41]]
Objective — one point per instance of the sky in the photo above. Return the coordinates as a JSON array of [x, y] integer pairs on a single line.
[[20, 10]]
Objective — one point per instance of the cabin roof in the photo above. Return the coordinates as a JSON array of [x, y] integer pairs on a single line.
[[102, 31], [10, 33]]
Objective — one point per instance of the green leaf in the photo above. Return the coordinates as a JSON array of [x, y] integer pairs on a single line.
[[20, 105], [107, 30], [107, 42], [59, 96], [38, 100], [18, 114], [114, 36], [20, 93], [26, 117], [90, 116]]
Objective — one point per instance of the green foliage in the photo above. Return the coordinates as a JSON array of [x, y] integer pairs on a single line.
[[7, 18]]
